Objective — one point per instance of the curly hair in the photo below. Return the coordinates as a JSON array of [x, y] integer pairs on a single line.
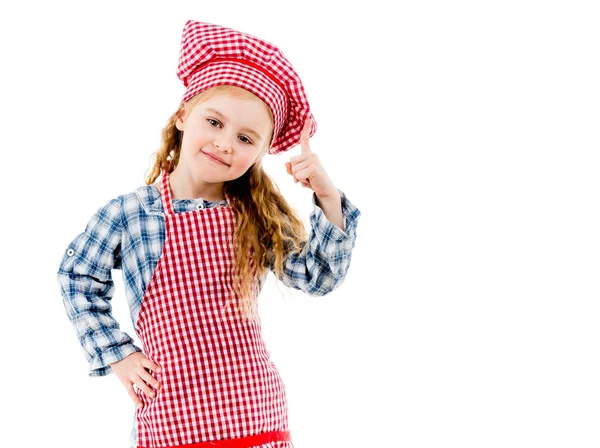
[[267, 228]]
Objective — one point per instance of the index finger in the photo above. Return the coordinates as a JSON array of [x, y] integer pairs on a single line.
[[304, 135], [146, 363]]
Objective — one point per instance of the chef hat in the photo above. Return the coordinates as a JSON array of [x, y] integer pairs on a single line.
[[213, 55]]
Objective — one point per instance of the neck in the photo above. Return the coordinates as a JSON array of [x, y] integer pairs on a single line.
[[183, 186]]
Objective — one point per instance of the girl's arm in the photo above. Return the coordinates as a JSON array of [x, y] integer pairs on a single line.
[[332, 207], [322, 264], [87, 287]]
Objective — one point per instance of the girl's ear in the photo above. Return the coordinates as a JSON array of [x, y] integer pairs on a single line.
[[179, 118]]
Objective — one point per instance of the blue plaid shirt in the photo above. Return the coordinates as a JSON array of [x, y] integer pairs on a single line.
[[128, 234]]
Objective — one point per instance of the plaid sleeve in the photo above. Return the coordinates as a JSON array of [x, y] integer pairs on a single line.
[[87, 287], [322, 264]]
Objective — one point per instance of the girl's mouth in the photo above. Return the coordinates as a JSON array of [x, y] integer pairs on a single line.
[[213, 158]]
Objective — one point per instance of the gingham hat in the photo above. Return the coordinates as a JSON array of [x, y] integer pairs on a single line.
[[213, 55]]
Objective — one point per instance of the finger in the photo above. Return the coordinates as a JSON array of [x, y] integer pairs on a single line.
[[288, 167], [300, 166], [304, 135], [145, 388], [150, 365], [300, 158], [134, 396], [305, 174], [303, 182], [149, 379]]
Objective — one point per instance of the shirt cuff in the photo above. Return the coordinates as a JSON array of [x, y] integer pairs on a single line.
[[100, 365], [326, 230]]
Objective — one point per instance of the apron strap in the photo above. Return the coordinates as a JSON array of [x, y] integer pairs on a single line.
[[166, 194]]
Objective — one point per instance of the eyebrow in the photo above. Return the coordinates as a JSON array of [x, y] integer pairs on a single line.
[[247, 130]]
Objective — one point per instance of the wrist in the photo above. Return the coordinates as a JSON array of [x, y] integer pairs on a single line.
[[332, 196]]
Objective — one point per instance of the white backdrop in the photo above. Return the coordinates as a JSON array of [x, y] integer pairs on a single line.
[[466, 133]]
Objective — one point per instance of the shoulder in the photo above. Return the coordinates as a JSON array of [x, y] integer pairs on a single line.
[[144, 198], [133, 204]]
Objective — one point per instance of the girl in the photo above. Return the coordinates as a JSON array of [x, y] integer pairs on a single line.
[[196, 246]]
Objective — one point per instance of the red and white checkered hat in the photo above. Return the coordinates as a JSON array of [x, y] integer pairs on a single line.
[[213, 55]]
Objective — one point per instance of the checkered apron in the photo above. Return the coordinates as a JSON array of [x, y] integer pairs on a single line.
[[219, 388]]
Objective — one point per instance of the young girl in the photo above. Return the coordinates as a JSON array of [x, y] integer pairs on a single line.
[[196, 246]]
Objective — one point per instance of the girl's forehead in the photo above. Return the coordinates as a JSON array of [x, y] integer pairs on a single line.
[[232, 97]]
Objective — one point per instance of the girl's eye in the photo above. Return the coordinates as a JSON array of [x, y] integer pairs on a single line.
[[216, 123]]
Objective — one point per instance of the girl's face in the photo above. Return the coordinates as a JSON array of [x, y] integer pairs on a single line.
[[223, 136]]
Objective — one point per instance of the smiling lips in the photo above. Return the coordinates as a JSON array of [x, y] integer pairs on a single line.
[[215, 158]]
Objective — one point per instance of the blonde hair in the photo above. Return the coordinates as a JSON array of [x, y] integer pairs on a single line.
[[266, 225]]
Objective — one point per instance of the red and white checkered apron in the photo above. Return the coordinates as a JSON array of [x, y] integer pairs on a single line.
[[219, 388]]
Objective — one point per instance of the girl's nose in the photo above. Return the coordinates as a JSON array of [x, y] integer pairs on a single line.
[[221, 145]]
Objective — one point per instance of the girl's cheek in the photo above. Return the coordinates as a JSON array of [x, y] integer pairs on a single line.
[[244, 161]]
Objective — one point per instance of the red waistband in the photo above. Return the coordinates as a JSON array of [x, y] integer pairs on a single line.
[[243, 442]]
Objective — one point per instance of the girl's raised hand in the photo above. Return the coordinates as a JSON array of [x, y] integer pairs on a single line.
[[306, 168], [133, 370]]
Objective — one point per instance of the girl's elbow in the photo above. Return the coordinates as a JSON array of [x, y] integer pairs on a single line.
[[327, 285]]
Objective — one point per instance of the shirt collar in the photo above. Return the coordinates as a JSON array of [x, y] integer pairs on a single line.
[[152, 202]]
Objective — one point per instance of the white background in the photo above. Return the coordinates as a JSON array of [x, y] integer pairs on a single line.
[[466, 133]]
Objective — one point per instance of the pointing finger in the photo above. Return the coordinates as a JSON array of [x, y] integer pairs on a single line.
[[304, 137]]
